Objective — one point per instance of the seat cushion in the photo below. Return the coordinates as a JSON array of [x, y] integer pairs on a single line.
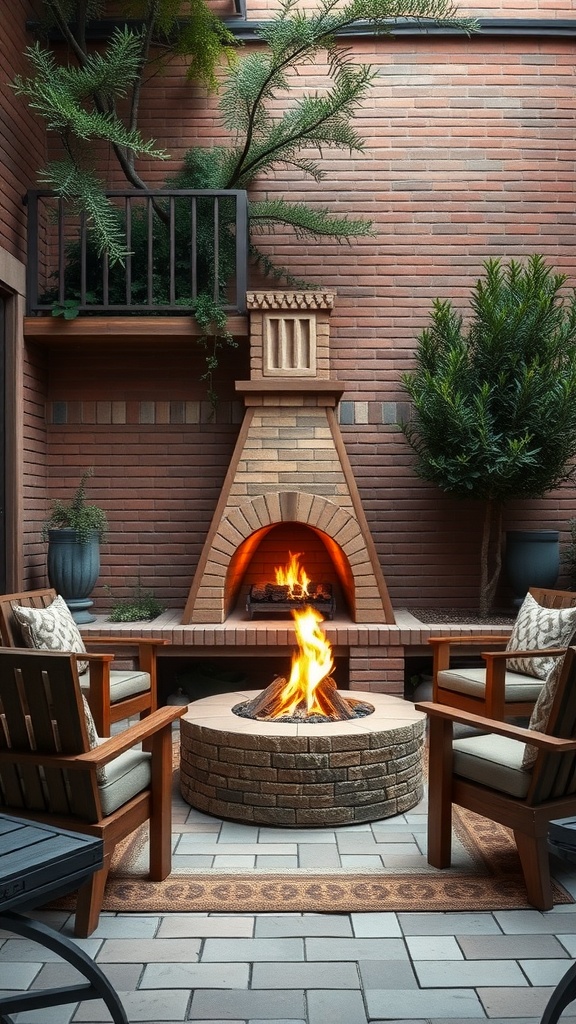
[[494, 761], [51, 629], [536, 628], [472, 682], [126, 776], [123, 683]]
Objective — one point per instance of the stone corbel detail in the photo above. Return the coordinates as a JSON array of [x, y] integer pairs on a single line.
[[289, 334], [289, 300]]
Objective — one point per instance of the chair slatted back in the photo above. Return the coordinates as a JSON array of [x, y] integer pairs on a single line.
[[42, 715], [10, 629], [553, 598], [554, 775]]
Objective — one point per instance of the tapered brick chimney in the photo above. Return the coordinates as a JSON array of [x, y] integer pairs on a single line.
[[289, 466]]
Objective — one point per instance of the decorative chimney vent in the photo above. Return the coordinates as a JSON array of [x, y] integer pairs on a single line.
[[289, 346], [290, 469]]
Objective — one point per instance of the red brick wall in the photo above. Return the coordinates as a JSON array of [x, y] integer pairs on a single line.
[[141, 419], [469, 154], [34, 481], [22, 138]]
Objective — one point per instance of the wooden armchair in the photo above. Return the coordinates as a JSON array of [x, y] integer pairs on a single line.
[[51, 772], [485, 773], [493, 690], [113, 693]]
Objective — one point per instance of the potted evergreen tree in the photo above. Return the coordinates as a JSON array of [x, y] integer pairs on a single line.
[[74, 532], [494, 402]]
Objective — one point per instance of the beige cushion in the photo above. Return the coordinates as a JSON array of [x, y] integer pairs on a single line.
[[535, 629], [51, 629], [494, 761], [126, 776], [541, 711], [123, 683], [472, 681]]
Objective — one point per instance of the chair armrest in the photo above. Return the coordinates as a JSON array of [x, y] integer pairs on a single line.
[[539, 739], [543, 652], [442, 651], [137, 733], [112, 747], [92, 656]]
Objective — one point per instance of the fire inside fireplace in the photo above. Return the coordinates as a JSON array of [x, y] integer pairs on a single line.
[[292, 589], [310, 694]]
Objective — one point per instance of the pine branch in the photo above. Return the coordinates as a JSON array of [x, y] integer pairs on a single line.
[[86, 193], [306, 221], [296, 37], [59, 93]]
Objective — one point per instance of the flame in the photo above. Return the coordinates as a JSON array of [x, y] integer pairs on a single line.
[[310, 665], [294, 577]]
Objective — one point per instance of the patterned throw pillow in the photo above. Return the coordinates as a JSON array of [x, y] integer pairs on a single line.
[[93, 738], [541, 711], [51, 629], [537, 628]]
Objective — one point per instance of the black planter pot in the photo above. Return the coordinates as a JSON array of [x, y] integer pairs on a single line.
[[73, 568], [531, 559]]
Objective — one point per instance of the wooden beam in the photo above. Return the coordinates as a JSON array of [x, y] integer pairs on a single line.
[[107, 329]]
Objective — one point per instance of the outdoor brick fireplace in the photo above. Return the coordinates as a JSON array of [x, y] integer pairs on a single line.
[[290, 484]]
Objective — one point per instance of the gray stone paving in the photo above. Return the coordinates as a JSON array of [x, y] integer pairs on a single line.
[[311, 968], [371, 968]]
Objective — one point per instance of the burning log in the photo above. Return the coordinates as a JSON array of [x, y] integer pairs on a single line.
[[272, 703], [310, 694]]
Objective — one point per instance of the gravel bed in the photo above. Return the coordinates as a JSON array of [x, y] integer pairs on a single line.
[[450, 615]]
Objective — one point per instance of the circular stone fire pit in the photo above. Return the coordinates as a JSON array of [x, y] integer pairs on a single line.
[[302, 775]]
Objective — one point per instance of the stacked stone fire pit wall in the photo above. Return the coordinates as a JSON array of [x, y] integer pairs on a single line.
[[302, 775]]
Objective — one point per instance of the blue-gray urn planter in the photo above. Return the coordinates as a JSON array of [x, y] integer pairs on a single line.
[[73, 568], [532, 559]]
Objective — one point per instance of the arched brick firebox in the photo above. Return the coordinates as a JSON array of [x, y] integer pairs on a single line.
[[336, 528]]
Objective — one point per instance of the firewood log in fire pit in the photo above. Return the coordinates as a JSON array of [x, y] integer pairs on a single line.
[[271, 703]]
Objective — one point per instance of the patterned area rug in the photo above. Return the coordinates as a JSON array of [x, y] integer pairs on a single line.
[[495, 883]]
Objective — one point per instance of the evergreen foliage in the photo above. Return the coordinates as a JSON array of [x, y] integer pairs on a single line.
[[302, 128], [80, 99], [80, 103], [495, 400], [272, 124]]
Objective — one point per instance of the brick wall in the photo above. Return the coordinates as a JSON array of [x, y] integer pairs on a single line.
[[469, 154], [141, 419], [34, 478], [22, 138]]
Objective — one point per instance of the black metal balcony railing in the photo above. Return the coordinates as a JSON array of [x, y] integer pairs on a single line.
[[180, 244]]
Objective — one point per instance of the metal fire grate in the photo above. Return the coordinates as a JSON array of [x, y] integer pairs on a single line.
[[272, 599]]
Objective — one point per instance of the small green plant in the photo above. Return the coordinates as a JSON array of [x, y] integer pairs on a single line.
[[77, 515], [142, 605], [69, 309]]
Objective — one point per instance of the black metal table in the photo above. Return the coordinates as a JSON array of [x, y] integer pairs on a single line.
[[38, 863], [562, 841]]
